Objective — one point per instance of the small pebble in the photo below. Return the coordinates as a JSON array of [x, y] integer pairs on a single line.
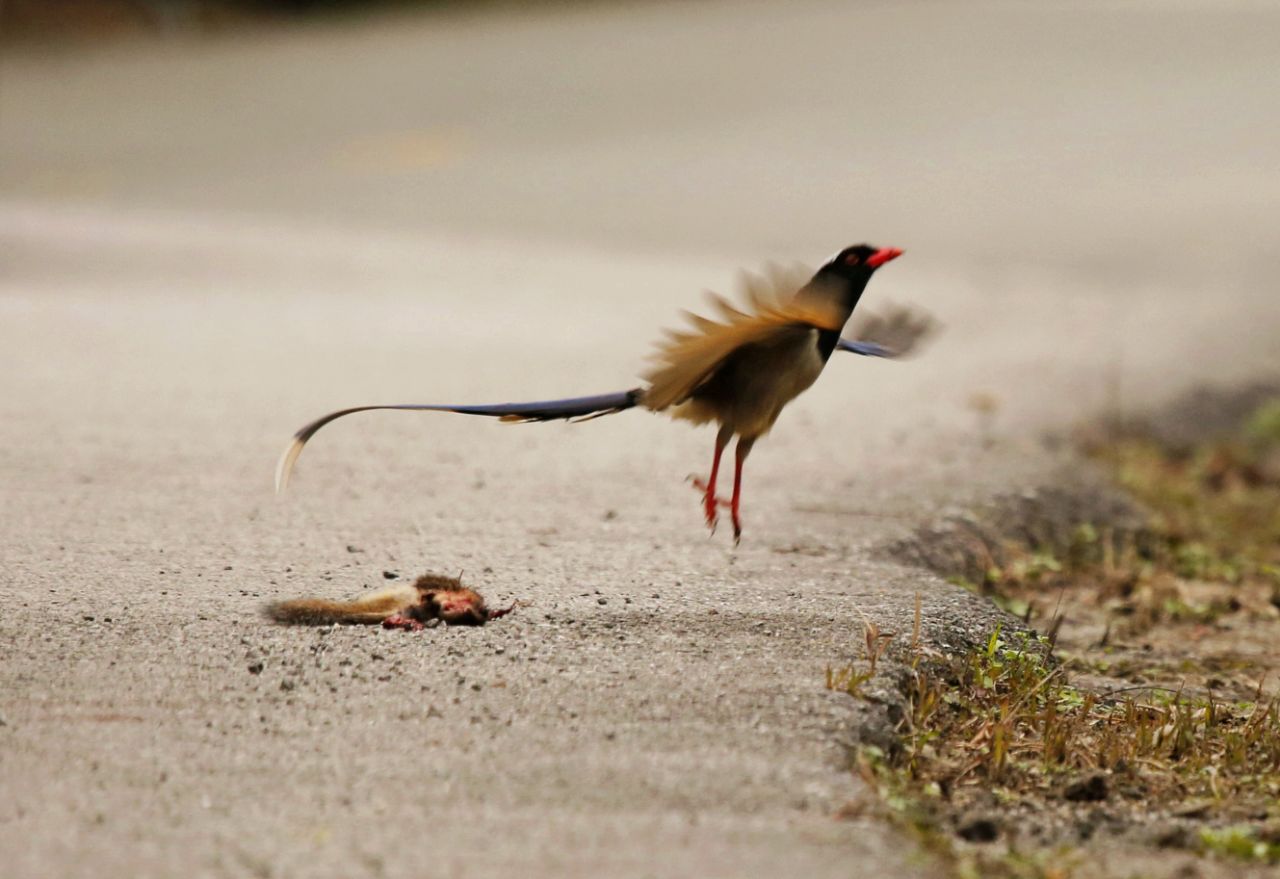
[[1090, 789], [979, 829]]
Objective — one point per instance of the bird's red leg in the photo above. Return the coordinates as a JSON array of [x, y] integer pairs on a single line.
[[709, 502], [740, 454]]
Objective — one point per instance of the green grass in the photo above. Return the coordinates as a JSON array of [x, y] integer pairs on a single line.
[[1003, 724], [1004, 721], [1240, 842]]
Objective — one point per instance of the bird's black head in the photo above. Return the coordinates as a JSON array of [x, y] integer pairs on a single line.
[[856, 263], [842, 280]]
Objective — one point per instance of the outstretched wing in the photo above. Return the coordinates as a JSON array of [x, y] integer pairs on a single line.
[[546, 410], [897, 331], [690, 357]]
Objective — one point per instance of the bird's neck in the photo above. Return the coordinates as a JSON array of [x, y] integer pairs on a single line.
[[827, 340], [835, 290], [839, 292]]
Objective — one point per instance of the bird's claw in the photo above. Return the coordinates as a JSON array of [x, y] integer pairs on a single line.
[[701, 485], [709, 501], [710, 505]]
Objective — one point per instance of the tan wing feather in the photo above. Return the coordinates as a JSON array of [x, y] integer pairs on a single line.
[[756, 289], [688, 358], [726, 308]]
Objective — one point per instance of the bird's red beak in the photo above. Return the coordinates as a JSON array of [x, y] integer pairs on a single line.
[[883, 255]]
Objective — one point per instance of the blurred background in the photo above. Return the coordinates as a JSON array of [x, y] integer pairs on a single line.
[[1084, 190], [1125, 140], [220, 219]]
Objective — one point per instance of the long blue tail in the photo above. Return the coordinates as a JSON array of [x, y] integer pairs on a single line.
[[580, 408]]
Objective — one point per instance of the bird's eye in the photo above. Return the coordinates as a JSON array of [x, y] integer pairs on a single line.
[[852, 259]]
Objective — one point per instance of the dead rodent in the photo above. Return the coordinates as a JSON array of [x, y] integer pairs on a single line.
[[404, 606]]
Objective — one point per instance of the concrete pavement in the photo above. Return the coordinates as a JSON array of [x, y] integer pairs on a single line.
[[204, 246]]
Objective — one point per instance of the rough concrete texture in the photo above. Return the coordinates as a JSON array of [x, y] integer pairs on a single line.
[[206, 245], [1047, 518]]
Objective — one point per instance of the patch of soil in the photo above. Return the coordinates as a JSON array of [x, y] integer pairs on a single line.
[[1165, 604]]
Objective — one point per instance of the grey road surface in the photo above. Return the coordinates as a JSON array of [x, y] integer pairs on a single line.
[[204, 244]]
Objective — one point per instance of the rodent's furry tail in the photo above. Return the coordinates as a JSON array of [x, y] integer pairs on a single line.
[[317, 612], [368, 610]]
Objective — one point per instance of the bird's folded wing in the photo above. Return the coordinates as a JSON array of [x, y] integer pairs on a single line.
[[896, 331], [687, 358]]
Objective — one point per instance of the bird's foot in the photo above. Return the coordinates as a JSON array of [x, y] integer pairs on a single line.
[[701, 485], [710, 504], [709, 511]]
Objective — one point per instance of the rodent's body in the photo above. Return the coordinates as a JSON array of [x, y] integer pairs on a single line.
[[408, 605]]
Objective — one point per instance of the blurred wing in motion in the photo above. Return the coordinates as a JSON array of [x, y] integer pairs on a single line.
[[689, 358], [547, 410], [898, 331]]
